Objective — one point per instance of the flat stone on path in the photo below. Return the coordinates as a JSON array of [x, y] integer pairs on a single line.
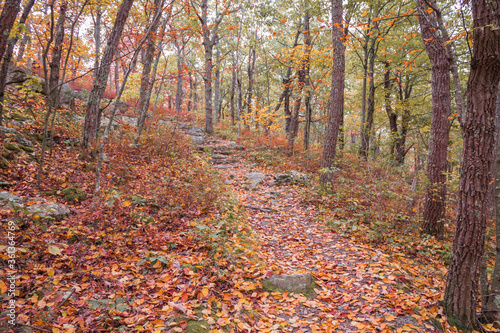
[[291, 282]]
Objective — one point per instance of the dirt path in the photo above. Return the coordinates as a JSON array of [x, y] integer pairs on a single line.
[[357, 288]]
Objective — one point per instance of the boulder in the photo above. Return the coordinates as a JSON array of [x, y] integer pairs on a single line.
[[254, 178], [67, 94], [129, 120], [21, 139], [9, 200], [36, 206], [45, 209], [291, 282], [291, 177], [16, 75]]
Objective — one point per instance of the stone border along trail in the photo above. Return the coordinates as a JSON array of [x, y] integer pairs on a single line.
[[357, 289]]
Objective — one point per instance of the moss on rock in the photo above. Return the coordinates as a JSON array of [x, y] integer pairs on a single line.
[[12, 147], [73, 194]]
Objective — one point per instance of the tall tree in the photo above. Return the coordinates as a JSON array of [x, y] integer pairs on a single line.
[[147, 61], [478, 128], [8, 55], [93, 113], [336, 95], [209, 38], [7, 18], [434, 207]]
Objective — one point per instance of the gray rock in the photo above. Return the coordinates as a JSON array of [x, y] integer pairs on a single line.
[[196, 139], [35, 206], [16, 75], [291, 177], [44, 209], [291, 282], [83, 94], [255, 178], [9, 200], [67, 94], [105, 123], [129, 120], [21, 139]]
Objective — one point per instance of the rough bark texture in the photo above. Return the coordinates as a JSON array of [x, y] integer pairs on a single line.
[[434, 207], [7, 18], [367, 125], [478, 126], [490, 296], [97, 38], [8, 56], [92, 115], [391, 114], [147, 61], [337, 93]]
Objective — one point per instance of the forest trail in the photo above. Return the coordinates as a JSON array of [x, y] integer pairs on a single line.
[[357, 288]]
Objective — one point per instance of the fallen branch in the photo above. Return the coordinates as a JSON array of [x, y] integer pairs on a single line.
[[65, 299]]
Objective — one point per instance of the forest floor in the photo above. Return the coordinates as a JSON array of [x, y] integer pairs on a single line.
[[173, 243]]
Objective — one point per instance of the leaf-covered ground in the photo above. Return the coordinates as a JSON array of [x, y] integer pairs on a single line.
[[168, 247]]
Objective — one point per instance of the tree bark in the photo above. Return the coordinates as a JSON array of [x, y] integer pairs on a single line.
[[434, 207], [217, 99], [336, 96], [147, 61], [8, 56], [92, 115], [7, 18], [391, 114], [478, 128], [97, 38], [250, 70], [366, 128]]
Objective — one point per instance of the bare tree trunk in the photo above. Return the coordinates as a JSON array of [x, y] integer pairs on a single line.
[[217, 101], [367, 125], [391, 114], [251, 67], [8, 56], [434, 207], [22, 47], [478, 128], [233, 88], [179, 93], [337, 94], [92, 115], [7, 18], [51, 85], [147, 61], [97, 38], [117, 72]]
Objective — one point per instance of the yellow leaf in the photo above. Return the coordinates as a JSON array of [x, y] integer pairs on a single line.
[[54, 250], [364, 13], [205, 292], [429, 10], [126, 203], [50, 272]]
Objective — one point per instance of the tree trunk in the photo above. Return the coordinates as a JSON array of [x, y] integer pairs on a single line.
[[337, 94], [391, 114], [7, 18], [434, 207], [178, 93], [217, 101], [97, 38], [8, 57], [250, 70], [92, 115], [478, 128], [147, 61], [22, 47], [51, 85], [367, 125], [233, 93]]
